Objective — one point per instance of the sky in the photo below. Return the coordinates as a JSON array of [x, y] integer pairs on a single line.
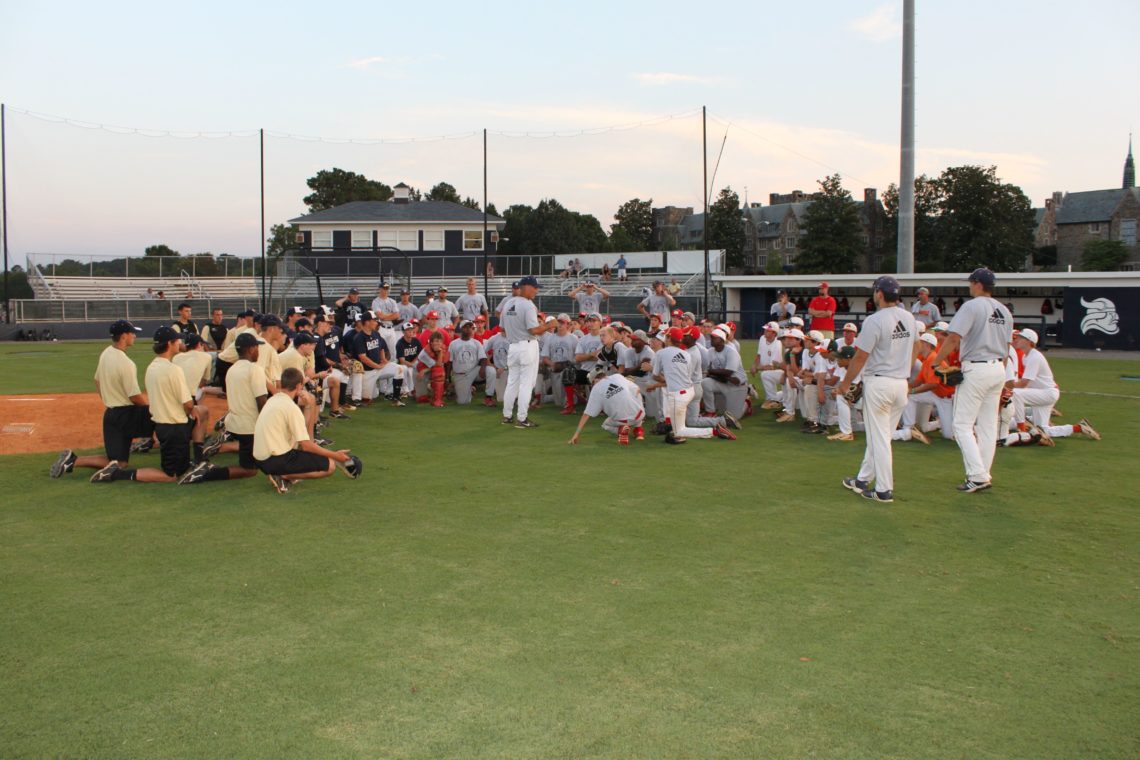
[[591, 103]]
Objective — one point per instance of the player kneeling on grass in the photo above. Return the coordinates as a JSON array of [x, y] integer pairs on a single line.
[[672, 370], [620, 399], [281, 443]]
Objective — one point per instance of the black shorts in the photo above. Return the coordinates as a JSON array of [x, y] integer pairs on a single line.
[[221, 367], [174, 445], [121, 425], [294, 463], [245, 451]]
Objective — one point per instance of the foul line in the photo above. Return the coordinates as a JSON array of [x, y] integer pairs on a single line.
[[28, 399], [1094, 393]]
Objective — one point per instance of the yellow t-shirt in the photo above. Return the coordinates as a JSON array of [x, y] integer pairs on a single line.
[[196, 366], [270, 361], [118, 378], [279, 428], [166, 388], [291, 357], [229, 353], [244, 383]]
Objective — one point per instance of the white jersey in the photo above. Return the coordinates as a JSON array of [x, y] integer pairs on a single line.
[[888, 336], [408, 311], [465, 354], [590, 303], [655, 304], [728, 359], [1037, 371], [471, 306], [446, 309], [519, 316], [769, 351], [633, 359], [384, 306], [696, 371], [675, 365], [588, 344], [616, 397], [986, 328]]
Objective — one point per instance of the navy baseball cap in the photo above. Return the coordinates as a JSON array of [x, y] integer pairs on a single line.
[[886, 284], [983, 277], [405, 292], [123, 326], [529, 280], [301, 339], [245, 340], [270, 320], [246, 313], [353, 292], [382, 286], [515, 284], [166, 334], [303, 322], [192, 341]]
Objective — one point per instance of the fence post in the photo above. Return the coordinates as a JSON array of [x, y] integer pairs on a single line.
[[127, 267]]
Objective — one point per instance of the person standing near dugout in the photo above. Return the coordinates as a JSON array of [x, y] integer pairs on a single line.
[[980, 331], [522, 327], [885, 353]]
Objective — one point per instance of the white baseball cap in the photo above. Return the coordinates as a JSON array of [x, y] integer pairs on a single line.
[[796, 321], [719, 333], [817, 336], [772, 326], [851, 326], [794, 333], [941, 326], [928, 338], [1029, 335]]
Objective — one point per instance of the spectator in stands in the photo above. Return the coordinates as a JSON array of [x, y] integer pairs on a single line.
[[577, 267], [606, 272], [149, 294], [674, 286], [621, 263], [160, 296]]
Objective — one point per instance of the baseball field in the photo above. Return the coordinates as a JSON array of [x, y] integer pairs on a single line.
[[484, 591]]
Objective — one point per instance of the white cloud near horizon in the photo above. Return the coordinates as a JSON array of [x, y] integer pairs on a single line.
[[880, 25], [363, 63]]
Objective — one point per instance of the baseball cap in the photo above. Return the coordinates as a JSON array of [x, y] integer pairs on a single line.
[[1029, 335], [595, 374], [796, 321], [246, 314], [303, 322], [830, 347], [719, 333], [529, 280], [121, 326], [675, 334], [367, 316], [407, 326], [940, 327], [677, 313], [886, 284], [851, 326], [563, 317], [772, 326], [301, 339], [270, 320], [192, 341], [641, 335], [590, 283], [515, 285], [442, 289], [817, 336], [166, 334], [982, 276], [689, 315], [245, 340], [731, 325], [824, 284], [382, 286], [296, 310], [481, 318], [924, 289], [660, 335], [694, 332], [353, 292], [549, 318], [794, 333], [928, 338], [433, 314], [405, 292], [327, 311], [847, 352], [466, 322], [594, 315]]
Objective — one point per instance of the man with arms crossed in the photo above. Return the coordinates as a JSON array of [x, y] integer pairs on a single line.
[[471, 304]]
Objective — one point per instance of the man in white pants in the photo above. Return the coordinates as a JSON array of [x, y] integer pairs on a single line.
[[884, 354], [522, 327], [769, 365], [672, 369], [927, 391], [980, 332], [848, 417], [1035, 390]]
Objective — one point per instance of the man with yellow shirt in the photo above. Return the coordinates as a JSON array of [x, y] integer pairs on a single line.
[[126, 415], [281, 443], [197, 365]]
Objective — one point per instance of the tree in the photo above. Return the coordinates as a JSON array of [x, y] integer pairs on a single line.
[[621, 241], [833, 239], [470, 202], [1103, 255], [335, 187], [929, 251], [491, 210], [443, 191], [18, 286], [726, 227], [1045, 256], [160, 250], [551, 228], [635, 218], [282, 238]]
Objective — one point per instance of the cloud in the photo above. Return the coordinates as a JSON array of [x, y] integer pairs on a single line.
[[881, 25], [665, 78], [363, 63]]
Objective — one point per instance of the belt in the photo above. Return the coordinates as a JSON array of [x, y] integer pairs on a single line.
[[982, 361]]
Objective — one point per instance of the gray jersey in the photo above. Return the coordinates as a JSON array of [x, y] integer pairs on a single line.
[[560, 349], [986, 328], [591, 303], [696, 364], [519, 316], [615, 396], [588, 344], [656, 304], [728, 359], [408, 311], [465, 354], [633, 359], [384, 306], [926, 313], [676, 366], [446, 309], [471, 306], [888, 336], [496, 349]]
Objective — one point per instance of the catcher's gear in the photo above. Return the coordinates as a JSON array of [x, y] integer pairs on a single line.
[[353, 467], [950, 375], [854, 393], [1006, 397], [608, 355], [569, 375]]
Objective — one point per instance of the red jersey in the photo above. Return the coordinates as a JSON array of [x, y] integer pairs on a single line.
[[823, 303]]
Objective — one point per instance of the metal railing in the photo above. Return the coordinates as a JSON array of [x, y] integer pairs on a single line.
[[201, 265]]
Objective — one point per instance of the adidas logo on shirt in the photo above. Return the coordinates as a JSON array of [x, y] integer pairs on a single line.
[[996, 318], [900, 331]]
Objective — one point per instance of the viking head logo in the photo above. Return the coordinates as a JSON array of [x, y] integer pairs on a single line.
[[1101, 316]]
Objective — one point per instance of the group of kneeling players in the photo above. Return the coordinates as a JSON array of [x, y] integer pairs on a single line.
[[283, 380]]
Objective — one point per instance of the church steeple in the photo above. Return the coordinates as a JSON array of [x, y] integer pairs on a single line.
[[1129, 167]]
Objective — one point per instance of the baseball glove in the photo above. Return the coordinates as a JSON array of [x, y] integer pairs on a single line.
[[950, 375], [357, 367], [854, 393]]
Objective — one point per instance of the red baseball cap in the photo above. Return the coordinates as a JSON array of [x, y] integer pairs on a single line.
[[432, 315], [678, 313], [824, 284], [481, 318], [694, 332], [676, 334]]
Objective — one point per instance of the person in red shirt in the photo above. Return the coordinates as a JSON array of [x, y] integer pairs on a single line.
[[822, 310], [434, 364], [431, 320]]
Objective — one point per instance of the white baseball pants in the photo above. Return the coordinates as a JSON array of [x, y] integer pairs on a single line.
[[884, 399], [976, 417], [676, 408], [945, 407], [772, 379], [1039, 400], [522, 372], [364, 385]]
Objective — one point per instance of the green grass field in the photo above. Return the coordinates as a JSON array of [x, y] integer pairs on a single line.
[[484, 591]]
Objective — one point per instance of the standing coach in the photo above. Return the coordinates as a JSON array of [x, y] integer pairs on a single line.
[[522, 328]]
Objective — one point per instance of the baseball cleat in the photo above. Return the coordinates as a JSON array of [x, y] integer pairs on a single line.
[[213, 447], [142, 445], [220, 424], [398, 402], [106, 474], [348, 407], [856, 485], [918, 435], [323, 442], [508, 420], [720, 431], [1088, 429], [670, 438], [623, 435], [488, 401], [567, 410], [352, 468], [841, 437], [64, 464], [195, 474], [971, 486], [1055, 412], [785, 417], [279, 483], [770, 405], [639, 433], [339, 415], [524, 424], [731, 421], [885, 497], [1044, 439]]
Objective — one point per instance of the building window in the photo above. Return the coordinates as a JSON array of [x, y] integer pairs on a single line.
[[322, 238], [791, 243], [777, 244], [405, 240], [472, 240], [362, 238], [763, 261], [866, 240], [763, 245], [433, 240], [787, 259], [1128, 232], [1094, 228]]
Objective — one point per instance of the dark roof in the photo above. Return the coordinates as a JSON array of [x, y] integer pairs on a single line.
[[1089, 206], [372, 212]]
